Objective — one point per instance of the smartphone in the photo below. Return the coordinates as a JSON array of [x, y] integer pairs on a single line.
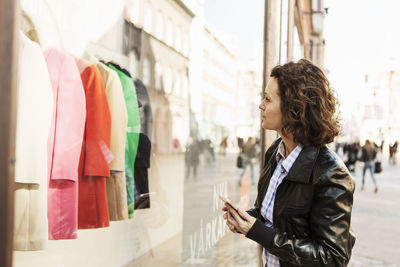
[[227, 202], [231, 205]]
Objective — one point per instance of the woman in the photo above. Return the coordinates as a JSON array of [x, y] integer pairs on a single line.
[[305, 192], [368, 157]]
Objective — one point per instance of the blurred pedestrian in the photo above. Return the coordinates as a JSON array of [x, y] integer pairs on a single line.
[[352, 151], [381, 146], [248, 155], [223, 145], [240, 143], [176, 144], [303, 209], [392, 153], [192, 153], [368, 157], [206, 148]]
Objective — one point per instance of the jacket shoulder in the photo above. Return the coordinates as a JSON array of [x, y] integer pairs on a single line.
[[329, 164]]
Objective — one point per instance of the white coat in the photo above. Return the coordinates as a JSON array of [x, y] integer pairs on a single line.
[[34, 114]]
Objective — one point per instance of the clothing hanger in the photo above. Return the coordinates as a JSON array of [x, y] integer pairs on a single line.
[[28, 27]]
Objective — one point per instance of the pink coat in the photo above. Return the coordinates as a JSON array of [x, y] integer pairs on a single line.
[[65, 143]]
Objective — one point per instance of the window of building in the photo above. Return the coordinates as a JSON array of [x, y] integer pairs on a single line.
[[148, 17], [159, 25], [178, 39], [169, 32], [168, 80], [177, 84], [146, 71], [185, 49], [185, 86], [133, 64], [159, 73]]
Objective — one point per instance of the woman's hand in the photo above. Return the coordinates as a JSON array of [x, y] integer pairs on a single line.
[[238, 222]]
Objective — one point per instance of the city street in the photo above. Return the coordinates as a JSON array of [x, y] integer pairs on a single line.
[[374, 220]]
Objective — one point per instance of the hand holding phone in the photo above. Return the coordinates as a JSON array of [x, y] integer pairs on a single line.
[[226, 201]]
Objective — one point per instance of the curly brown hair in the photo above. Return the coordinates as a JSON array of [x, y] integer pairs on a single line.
[[308, 104]]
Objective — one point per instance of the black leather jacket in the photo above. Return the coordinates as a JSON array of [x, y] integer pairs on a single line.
[[312, 210]]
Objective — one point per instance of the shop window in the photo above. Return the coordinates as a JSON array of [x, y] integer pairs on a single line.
[[163, 206]]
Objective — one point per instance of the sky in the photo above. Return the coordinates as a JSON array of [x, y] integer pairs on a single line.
[[362, 36], [245, 22]]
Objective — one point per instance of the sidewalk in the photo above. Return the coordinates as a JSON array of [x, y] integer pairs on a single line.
[[375, 219]]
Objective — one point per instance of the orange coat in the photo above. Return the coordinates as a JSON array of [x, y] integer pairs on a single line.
[[95, 154]]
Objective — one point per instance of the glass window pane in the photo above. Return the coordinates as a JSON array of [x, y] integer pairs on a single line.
[[160, 125]]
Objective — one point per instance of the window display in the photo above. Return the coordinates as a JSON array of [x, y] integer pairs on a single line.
[[119, 163]]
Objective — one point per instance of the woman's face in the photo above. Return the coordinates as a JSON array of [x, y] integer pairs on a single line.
[[271, 107]]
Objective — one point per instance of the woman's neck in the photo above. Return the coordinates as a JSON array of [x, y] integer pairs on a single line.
[[289, 145]]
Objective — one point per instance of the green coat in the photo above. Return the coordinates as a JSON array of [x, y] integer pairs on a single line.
[[132, 135]]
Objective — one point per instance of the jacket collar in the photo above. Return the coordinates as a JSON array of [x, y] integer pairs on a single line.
[[304, 165]]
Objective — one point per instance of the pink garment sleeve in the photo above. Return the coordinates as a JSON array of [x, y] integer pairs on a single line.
[[70, 115]]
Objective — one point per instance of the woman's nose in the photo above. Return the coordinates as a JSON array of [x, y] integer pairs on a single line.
[[261, 106]]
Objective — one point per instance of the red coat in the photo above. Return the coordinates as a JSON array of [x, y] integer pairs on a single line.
[[95, 154]]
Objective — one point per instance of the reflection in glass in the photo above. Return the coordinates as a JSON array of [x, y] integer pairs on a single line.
[[146, 71]]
